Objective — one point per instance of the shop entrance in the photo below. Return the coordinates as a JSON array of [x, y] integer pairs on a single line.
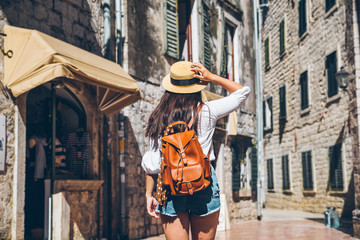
[[57, 148]]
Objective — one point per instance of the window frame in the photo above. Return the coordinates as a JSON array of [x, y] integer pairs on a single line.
[[267, 53], [282, 38], [304, 90], [285, 169], [307, 173], [268, 102], [331, 64], [282, 103], [302, 11], [270, 174], [335, 152]]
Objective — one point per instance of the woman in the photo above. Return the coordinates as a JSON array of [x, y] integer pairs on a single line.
[[180, 102]]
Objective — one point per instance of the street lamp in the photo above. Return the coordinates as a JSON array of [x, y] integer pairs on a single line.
[[342, 78]]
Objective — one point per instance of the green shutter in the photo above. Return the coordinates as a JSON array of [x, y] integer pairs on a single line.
[[285, 172], [307, 170], [282, 36], [270, 176], [329, 4], [223, 64], [331, 67], [171, 30], [254, 168], [304, 90], [206, 46], [267, 53], [302, 17], [264, 115], [235, 167], [271, 112], [336, 173], [282, 97]]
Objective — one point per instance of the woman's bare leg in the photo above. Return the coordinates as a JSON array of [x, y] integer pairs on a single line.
[[204, 228], [176, 228]]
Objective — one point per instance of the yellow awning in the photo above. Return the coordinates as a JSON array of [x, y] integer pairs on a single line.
[[39, 58], [232, 123]]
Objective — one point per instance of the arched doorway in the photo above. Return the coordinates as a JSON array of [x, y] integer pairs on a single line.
[[53, 114]]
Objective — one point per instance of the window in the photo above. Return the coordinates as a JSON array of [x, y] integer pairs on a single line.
[[184, 23], [285, 172], [336, 173], [307, 170], [267, 114], [304, 90], [282, 99], [171, 32], [331, 67], [282, 37], [267, 53], [254, 168], [270, 176], [302, 17], [227, 59], [329, 4], [206, 46], [238, 167]]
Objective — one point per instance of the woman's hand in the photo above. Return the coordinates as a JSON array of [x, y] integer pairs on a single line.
[[205, 74], [151, 204]]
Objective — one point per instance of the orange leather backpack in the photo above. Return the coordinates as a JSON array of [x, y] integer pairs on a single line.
[[185, 169]]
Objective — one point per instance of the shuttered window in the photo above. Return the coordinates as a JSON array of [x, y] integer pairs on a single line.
[[336, 172], [206, 51], [282, 36], [267, 53], [304, 90], [235, 167], [302, 17], [331, 67], [171, 30], [329, 4], [224, 45], [268, 114], [285, 172], [307, 170], [254, 168], [282, 99], [270, 174]]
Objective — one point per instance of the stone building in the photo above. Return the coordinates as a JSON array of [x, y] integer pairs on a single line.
[[107, 199], [311, 143]]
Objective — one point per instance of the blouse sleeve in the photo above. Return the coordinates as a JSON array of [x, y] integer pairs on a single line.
[[224, 106], [151, 160]]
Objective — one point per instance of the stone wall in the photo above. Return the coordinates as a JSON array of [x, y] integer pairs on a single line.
[[325, 123]]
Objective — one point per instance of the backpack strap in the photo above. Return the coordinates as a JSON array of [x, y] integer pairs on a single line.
[[192, 119]]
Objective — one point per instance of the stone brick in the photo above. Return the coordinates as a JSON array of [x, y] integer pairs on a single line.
[[55, 20], [78, 30], [40, 12]]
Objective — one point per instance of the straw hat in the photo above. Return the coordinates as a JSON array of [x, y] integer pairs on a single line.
[[181, 79]]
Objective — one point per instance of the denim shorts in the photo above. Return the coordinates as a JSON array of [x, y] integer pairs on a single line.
[[200, 203]]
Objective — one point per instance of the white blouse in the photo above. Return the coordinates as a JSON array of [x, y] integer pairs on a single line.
[[209, 114]]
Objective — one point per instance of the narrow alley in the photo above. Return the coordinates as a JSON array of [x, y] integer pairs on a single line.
[[284, 224]]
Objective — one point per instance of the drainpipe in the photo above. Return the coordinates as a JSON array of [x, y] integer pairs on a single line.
[[118, 24], [107, 28], [259, 100]]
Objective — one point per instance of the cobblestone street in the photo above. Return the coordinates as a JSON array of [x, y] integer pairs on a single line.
[[284, 224]]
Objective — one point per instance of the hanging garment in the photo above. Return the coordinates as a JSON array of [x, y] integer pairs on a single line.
[[78, 146], [40, 157]]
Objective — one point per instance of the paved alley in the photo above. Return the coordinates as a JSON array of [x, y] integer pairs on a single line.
[[284, 224]]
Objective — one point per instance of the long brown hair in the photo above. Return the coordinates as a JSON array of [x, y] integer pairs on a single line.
[[173, 107]]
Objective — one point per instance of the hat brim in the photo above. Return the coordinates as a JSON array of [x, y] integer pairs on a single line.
[[166, 83]]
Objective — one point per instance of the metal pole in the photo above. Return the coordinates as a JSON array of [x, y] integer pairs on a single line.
[[107, 28], [118, 24], [259, 114]]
